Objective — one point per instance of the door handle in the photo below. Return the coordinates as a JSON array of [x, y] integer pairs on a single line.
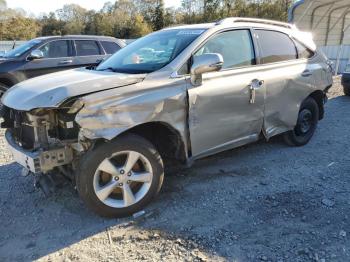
[[64, 62], [254, 85], [306, 73]]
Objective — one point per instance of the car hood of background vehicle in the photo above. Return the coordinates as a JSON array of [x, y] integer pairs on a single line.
[[49, 91]]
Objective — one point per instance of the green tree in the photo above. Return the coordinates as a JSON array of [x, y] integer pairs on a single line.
[[3, 5], [74, 17], [158, 20], [51, 25], [26, 28]]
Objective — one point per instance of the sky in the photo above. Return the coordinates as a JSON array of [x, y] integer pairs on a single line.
[[37, 7]]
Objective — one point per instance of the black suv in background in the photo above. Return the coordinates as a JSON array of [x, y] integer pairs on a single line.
[[346, 80], [51, 54]]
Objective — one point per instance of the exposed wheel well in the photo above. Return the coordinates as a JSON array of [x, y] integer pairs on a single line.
[[319, 98], [165, 138]]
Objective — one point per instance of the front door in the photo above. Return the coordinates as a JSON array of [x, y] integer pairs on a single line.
[[57, 57], [225, 111]]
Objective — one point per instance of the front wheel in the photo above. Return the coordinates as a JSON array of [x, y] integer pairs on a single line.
[[306, 124], [121, 177]]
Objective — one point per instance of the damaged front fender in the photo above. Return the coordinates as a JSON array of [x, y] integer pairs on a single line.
[[110, 113]]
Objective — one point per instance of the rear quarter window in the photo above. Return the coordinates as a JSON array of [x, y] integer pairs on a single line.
[[276, 46], [87, 47], [303, 51], [110, 47]]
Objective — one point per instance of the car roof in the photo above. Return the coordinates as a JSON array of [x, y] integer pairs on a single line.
[[239, 22], [78, 37]]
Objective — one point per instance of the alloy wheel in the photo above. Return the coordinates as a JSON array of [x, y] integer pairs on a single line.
[[123, 179]]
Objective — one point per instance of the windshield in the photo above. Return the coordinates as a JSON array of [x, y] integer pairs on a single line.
[[20, 50], [152, 52]]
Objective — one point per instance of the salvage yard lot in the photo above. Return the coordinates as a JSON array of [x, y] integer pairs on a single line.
[[261, 202]]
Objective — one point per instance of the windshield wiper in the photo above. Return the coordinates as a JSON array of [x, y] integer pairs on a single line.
[[108, 68]]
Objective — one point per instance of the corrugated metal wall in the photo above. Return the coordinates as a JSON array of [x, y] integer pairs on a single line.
[[332, 54], [325, 19]]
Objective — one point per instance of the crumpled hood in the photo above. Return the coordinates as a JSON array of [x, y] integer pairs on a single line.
[[51, 90]]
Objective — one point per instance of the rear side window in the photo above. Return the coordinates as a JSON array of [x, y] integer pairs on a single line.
[[55, 49], [303, 51], [236, 47], [110, 47], [87, 47], [276, 47]]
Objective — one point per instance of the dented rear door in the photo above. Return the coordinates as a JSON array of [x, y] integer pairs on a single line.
[[288, 80]]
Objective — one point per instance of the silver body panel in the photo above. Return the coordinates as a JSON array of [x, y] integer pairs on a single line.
[[217, 115], [220, 113]]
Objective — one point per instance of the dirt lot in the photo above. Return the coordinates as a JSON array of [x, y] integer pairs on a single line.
[[261, 202]]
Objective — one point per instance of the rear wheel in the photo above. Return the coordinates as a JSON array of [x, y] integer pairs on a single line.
[[120, 178], [306, 125]]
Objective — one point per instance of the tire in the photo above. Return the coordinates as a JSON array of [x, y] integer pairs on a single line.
[[306, 124], [346, 90], [93, 179]]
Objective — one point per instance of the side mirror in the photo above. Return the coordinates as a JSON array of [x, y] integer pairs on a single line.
[[204, 64], [36, 54]]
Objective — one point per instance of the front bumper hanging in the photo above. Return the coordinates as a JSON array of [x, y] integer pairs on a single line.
[[39, 161]]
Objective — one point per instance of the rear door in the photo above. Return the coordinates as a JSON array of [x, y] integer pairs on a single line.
[[58, 55], [288, 79], [222, 111], [88, 53]]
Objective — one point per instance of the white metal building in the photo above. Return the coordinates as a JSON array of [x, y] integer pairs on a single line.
[[329, 21]]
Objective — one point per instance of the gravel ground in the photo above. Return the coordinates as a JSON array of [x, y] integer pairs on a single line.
[[261, 202]]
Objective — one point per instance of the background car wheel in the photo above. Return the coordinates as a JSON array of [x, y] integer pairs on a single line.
[[346, 90], [119, 178], [306, 124]]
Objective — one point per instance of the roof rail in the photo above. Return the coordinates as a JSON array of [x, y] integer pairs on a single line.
[[254, 20]]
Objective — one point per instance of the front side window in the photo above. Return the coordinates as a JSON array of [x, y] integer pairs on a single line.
[[152, 52], [87, 47], [55, 49], [276, 47], [236, 47]]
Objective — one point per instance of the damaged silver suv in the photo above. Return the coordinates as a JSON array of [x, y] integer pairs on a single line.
[[178, 94]]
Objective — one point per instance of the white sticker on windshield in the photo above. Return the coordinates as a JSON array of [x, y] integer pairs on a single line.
[[190, 32]]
